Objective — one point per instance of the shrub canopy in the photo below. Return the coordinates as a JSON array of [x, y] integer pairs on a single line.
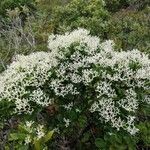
[[82, 75]]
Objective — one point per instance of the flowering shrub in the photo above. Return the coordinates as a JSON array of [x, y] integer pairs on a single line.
[[83, 80]]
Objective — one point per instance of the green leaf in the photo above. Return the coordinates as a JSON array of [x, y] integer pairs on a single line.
[[100, 143], [37, 144], [17, 136], [82, 121], [86, 137], [22, 129], [48, 136], [23, 147], [115, 138]]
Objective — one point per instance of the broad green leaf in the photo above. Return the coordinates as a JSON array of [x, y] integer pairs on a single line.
[[100, 143], [86, 137], [48, 136], [17, 136], [37, 144]]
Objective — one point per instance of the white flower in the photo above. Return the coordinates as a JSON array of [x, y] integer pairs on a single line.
[[147, 99], [130, 127], [69, 106], [40, 131], [130, 103], [29, 123], [57, 130], [78, 110], [104, 88], [27, 140], [67, 122]]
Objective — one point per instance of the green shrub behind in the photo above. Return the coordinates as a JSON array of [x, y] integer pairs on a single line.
[[127, 24], [89, 14], [130, 29]]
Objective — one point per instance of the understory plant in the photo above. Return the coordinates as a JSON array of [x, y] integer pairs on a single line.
[[88, 94]]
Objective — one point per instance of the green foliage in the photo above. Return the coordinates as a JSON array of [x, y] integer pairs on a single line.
[[125, 22], [89, 14], [145, 132], [115, 5], [42, 26], [25, 136], [139, 4], [35, 17], [12, 4], [130, 29]]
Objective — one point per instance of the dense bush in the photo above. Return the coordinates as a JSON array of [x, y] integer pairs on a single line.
[[84, 91], [116, 5], [43, 25], [89, 14], [130, 28], [127, 24], [12, 4]]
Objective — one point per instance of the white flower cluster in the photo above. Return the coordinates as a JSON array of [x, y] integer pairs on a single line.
[[79, 59], [104, 88], [130, 102], [40, 131], [28, 140], [69, 106], [22, 81], [40, 98], [33, 132], [116, 76], [81, 36], [67, 122]]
